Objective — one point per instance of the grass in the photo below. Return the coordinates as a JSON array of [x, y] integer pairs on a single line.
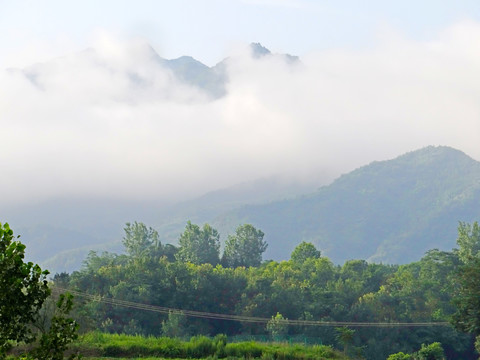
[[97, 345]]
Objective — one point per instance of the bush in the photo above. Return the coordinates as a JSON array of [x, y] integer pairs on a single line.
[[434, 351], [245, 349], [399, 356], [200, 346]]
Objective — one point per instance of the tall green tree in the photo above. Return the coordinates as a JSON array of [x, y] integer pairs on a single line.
[[245, 248], [199, 245], [140, 240], [467, 297], [345, 337], [304, 251], [468, 241], [23, 290], [277, 326]]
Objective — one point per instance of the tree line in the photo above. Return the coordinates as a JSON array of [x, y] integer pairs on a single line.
[[193, 276], [442, 287]]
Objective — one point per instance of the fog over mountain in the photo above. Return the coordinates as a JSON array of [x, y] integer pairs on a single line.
[[115, 122]]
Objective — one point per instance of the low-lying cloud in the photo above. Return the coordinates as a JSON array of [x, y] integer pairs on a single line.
[[112, 123]]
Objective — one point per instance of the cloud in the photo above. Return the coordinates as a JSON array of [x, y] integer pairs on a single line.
[[112, 123]]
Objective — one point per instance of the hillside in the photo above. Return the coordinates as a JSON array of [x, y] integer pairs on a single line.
[[59, 233], [390, 211]]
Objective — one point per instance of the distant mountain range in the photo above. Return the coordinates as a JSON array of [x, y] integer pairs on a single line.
[[390, 211], [210, 80]]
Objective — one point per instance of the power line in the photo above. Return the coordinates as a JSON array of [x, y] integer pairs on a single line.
[[239, 318]]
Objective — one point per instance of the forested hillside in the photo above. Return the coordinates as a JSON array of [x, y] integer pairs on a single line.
[[390, 211]]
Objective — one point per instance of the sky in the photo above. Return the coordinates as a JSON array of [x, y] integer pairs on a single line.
[[376, 79]]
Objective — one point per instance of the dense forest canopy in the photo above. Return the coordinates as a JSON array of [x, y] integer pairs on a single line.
[[434, 291]]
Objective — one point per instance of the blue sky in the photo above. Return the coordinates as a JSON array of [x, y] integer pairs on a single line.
[[207, 30]]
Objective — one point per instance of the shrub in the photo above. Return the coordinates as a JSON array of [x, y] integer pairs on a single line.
[[399, 356], [433, 351], [200, 346], [244, 350]]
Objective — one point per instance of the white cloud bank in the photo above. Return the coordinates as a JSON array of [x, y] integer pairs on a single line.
[[87, 129]]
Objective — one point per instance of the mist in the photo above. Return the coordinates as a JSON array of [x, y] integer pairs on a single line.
[[110, 122]]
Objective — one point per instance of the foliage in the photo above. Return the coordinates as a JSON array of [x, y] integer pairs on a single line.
[[277, 326], [305, 288], [468, 241], [399, 356], [174, 325], [23, 294], [304, 251], [467, 299], [62, 331], [432, 351], [345, 337], [139, 239], [199, 246], [114, 345], [245, 248], [23, 290]]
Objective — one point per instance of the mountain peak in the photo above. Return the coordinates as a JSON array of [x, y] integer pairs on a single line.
[[389, 211], [258, 50]]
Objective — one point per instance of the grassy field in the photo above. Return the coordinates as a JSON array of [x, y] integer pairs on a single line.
[[98, 345]]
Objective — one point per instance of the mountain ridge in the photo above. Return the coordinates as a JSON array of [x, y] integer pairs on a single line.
[[187, 70], [382, 205]]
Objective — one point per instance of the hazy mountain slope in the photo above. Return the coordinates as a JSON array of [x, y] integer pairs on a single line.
[[193, 72], [172, 220], [59, 233], [390, 211]]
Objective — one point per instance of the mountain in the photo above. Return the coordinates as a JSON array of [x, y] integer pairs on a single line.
[[139, 63], [390, 211], [59, 233]]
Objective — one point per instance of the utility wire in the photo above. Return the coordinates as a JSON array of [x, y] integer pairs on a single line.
[[239, 318]]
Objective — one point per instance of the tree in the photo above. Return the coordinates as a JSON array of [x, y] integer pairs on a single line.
[[468, 241], [467, 297], [175, 325], [399, 356], [304, 251], [277, 326], [432, 351], [199, 246], [23, 290], [140, 240], [62, 331], [245, 248], [345, 337]]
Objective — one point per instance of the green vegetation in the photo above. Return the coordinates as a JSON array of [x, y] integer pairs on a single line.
[[199, 246], [245, 248], [307, 287], [198, 347], [23, 290], [23, 293], [432, 351], [390, 211], [152, 292]]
